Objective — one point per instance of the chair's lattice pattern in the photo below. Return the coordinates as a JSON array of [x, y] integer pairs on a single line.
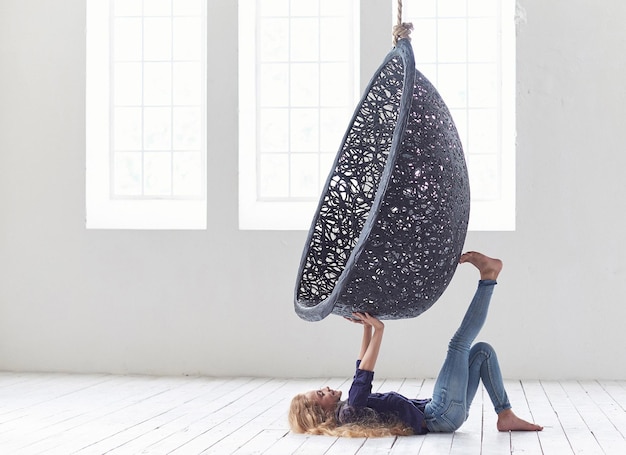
[[393, 219]]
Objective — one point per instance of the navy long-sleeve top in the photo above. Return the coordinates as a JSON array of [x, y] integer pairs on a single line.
[[361, 401]]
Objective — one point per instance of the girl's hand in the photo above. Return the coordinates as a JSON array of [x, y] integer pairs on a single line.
[[354, 319], [367, 320], [357, 319]]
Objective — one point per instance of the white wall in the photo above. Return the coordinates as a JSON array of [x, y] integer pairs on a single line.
[[218, 302]]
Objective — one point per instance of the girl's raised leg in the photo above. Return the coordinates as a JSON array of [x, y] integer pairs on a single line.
[[448, 409]]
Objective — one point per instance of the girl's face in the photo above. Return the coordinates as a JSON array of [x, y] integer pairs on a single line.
[[327, 398]]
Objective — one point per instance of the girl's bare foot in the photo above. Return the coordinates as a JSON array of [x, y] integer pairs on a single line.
[[489, 267], [507, 421]]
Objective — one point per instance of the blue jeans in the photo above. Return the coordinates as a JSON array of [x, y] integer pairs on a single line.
[[464, 367]]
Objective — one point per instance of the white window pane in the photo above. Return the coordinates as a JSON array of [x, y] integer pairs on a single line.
[[274, 86], [304, 175], [274, 40], [425, 33], [187, 43], [127, 128], [483, 83], [187, 7], [187, 134], [484, 172], [273, 7], [157, 168], [483, 8], [452, 84], [127, 39], [304, 130], [187, 84], [482, 123], [334, 83], [452, 8], [127, 84], [304, 40], [157, 35], [422, 8], [304, 84], [451, 40], [304, 7], [187, 174], [127, 171], [273, 175], [157, 7], [157, 84], [335, 39], [297, 38], [336, 7], [274, 130], [483, 40], [127, 7], [132, 42], [333, 125], [157, 128]]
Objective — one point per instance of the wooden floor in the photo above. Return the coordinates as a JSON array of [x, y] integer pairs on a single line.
[[97, 414]]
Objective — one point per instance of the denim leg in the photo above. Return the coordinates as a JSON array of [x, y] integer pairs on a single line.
[[448, 409], [483, 365]]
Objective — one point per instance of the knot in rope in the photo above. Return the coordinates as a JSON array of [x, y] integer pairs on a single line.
[[402, 31]]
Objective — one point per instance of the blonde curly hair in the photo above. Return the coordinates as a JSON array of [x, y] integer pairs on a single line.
[[306, 416]]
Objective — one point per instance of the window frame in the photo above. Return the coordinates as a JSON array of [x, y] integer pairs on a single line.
[[495, 214], [104, 210], [258, 213]]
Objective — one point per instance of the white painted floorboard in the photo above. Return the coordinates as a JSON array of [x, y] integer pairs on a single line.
[[106, 414]]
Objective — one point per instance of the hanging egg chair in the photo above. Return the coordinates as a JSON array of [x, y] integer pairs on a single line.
[[392, 219]]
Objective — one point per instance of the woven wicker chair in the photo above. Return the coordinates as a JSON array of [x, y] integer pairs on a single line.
[[392, 220]]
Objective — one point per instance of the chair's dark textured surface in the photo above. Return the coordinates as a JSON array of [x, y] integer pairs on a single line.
[[392, 219]]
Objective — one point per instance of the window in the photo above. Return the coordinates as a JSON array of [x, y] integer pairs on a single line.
[[146, 111], [467, 50], [291, 127], [298, 88]]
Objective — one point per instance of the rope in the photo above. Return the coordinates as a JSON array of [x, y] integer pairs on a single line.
[[401, 30]]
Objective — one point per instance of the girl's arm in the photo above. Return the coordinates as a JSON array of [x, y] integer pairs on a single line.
[[365, 342], [370, 346], [367, 333]]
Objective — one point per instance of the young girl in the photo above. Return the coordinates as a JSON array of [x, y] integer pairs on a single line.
[[366, 414]]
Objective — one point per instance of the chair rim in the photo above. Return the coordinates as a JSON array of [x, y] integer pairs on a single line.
[[319, 310]]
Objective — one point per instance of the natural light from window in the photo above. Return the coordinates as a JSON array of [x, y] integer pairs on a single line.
[[298, 88], [146, 114], [467, 50], [298, 67]]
